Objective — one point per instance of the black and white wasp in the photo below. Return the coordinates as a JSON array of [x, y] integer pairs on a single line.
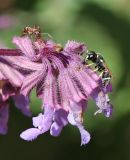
[[100, 65]]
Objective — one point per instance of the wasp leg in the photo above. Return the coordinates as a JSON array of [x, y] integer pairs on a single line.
[[108, 78], [95, 70], [87, 65], [101, 74]]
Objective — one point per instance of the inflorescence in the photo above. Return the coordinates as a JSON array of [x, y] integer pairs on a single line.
[[63, 79]]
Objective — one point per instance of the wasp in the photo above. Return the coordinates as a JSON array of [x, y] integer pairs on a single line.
[[100, 66], [35, 30]]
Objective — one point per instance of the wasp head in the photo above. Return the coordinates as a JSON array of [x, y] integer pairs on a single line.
[[92, 56]]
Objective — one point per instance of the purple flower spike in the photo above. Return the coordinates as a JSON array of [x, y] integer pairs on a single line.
[[61, 79], [63, 82]]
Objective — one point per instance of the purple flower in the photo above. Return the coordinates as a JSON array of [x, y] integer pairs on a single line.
[[10, 82], [55, 120], [62, 82]]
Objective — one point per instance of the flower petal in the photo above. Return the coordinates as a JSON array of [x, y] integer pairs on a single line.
[[73, 47], [30, 82], [102, 102], [14, 77], [49, 90], [38, 121], [55, 129], [108, 111], [22, 62], [60, 120], [43, 122], [75, 118], [30, 134], [25, 45], [85, 136]]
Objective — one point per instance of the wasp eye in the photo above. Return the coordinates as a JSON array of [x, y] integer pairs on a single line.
[[91, 55]]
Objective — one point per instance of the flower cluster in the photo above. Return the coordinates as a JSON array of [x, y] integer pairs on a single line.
[[62, 82]]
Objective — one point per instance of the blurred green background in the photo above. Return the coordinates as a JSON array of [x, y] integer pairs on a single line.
[[104, 25]]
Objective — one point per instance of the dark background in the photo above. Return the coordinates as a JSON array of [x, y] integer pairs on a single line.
[[105, 27]]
